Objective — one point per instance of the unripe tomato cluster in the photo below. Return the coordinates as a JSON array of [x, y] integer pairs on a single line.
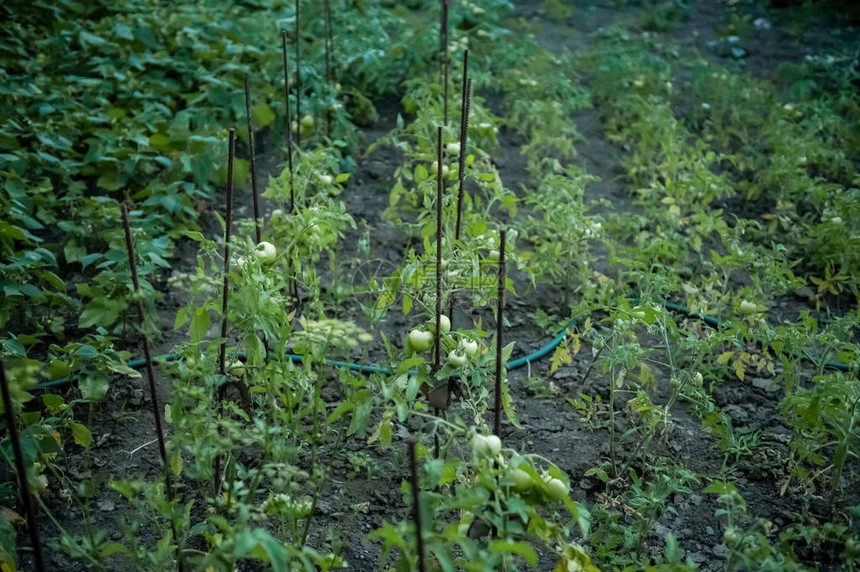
[[490, 243], [447, 172], [421, 340], [457, 357], [305, 126], [235, 366], [470, 347], [489, 448], [265, 253], [555, 489], [444, 325], [748, 308], [485, 446]]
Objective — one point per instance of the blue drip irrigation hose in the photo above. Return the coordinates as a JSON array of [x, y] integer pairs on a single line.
[[710, 320]]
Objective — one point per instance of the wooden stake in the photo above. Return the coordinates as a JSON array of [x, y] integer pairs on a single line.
[[150, 375], [298, 76], [156, 409], [416, 507], [497, 424], [225, 289], [464, 141], [26, 495], [228, 222], [439, 188], [289, 129], [245, 396], [253, 158], [329, 48], [443, 40]]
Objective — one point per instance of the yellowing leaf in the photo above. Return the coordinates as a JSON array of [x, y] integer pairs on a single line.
[[11, 516], [176, 462], [112, 548], [645, 374], [386, 299], [559, 357], [82, 435], [725, 357]]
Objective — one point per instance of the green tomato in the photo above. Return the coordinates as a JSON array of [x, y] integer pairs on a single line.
[[419, 340], [266, 253], [493, 255], [235, 366], [308, 121], [326, 179], [453, 149], [486, 445], [852, 546], [456, 358], [731, 536], [434, 169], [486, 129], [470, 347], [556, 489], [522, 480], [444, 325], [748, 308]]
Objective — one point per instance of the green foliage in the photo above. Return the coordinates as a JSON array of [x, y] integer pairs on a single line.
[[492, 519], [740, 190]]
